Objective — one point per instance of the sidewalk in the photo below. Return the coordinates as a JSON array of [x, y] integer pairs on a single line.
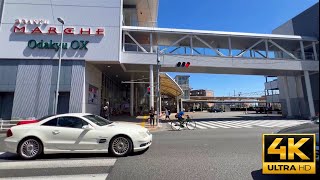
[[139, 120]]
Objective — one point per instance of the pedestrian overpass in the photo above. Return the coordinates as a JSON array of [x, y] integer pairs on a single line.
[[216, 52]]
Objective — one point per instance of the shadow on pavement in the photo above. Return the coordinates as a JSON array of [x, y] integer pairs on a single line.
[[14, 157], [257, 175]]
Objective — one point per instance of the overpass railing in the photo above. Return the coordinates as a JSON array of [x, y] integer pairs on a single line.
[[218, 44], [186, 50]]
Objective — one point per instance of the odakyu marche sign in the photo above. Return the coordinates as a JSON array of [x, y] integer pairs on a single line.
[[21, 27]]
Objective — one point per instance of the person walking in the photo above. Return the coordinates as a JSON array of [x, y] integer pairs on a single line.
[[106, 110], [151, 114], [167, 114]]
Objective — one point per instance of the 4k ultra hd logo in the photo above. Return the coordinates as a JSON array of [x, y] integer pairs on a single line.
[[288, 154]]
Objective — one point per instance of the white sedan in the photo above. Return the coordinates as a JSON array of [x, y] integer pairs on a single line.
[[76, 133]]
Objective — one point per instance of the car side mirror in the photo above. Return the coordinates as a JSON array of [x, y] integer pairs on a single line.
[[87, 127]]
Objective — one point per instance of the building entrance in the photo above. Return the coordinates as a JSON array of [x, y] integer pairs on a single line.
[[6, 103]]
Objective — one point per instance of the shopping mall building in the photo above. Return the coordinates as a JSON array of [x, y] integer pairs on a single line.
[[110, 53]]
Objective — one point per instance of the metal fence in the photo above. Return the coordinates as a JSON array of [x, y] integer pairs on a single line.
[[7, 124]]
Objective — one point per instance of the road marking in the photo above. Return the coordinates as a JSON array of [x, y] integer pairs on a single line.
[[56, 164], [63, 177], [289, 124], [246, 123], [285, 124], [242, 124], [211, 123], [203, 125], [237, 124], [264, 123], [274, 123]]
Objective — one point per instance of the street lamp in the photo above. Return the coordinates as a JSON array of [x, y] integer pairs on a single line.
[[59, 67]]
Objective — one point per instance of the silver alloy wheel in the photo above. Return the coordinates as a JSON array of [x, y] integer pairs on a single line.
[[30, 148], [120, 146]]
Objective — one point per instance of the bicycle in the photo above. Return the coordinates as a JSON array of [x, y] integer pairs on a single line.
[[188, 122]]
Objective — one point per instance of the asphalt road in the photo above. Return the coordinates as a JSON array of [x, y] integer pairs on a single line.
[[200, 154], [224, 154]]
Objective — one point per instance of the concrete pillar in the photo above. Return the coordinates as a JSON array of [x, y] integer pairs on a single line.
[[303, 56], [286, 92], [297, 83], [151, 104], [178, 109], [181, 104], [160, 104], [131, 96], [315, 51], [309, 93]]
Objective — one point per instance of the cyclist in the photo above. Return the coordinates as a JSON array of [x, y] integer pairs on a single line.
[[181, 116]]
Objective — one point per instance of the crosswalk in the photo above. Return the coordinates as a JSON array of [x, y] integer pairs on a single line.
[[247, 123], [11, 168]]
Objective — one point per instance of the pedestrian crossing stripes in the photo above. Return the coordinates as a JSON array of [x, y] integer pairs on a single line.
[[53, 169], [247, 124]]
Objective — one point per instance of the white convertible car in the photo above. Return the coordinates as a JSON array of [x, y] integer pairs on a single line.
[[76, 133]]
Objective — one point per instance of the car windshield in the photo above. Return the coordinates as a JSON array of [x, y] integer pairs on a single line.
[[100, 121], [44, 117]]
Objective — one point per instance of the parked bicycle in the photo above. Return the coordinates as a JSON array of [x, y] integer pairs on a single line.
[[186, 123]]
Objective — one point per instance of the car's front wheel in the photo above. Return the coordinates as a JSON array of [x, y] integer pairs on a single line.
[[30, 148], [120, 146]]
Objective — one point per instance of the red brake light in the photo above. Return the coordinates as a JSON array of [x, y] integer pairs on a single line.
[[9, 133]]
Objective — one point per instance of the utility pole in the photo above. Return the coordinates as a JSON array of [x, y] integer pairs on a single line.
[[158, 88], [265, 94]]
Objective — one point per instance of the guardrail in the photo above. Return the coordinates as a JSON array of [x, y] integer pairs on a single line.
[[7, 124]]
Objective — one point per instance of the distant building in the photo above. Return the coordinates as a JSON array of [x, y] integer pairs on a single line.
[[201, 92], [183, 81]]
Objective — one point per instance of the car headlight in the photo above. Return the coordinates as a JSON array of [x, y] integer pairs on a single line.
[[143, 134], [148, 132]]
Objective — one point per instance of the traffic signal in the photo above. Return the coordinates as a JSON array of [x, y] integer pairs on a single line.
[[188, 64], [148, 90], [183, 64]]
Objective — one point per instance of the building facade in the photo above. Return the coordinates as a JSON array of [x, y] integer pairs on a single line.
[[91, 75], [110, 54], [183, 82], [201, 92], [293, 92]]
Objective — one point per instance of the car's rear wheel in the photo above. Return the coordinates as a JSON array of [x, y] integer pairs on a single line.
[[30, 148], [120, 146]]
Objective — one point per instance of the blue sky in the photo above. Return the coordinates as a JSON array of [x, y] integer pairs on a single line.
[[254, 16]]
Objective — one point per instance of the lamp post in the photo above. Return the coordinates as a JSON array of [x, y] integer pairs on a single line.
[[59, 67]]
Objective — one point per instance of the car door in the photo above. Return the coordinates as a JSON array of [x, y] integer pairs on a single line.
[[66, 133], [73, 137], [46, 130]]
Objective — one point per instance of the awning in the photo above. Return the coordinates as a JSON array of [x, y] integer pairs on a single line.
[[168, 86]]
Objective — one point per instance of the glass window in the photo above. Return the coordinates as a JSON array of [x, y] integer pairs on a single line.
[[98, 120], [52, 122], [71, 122], [45, 117]]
